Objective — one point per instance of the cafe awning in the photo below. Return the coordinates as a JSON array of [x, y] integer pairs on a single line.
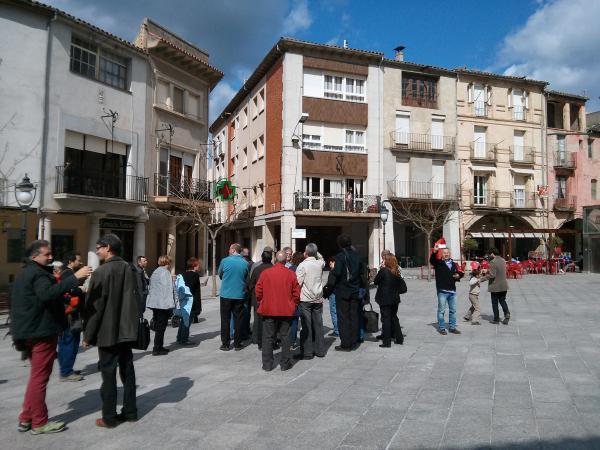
[[504, 235]]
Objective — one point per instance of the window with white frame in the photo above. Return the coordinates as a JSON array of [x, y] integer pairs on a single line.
[[91, 61], [261, 147], [255, 151], [254, 107], [333, 87], [245, 158], [311, 141], [480, 190], [355, 90], [261, 101], [355, 141], [245, 117]]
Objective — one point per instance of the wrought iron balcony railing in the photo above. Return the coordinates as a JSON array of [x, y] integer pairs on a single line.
[[422, 190], [315, 201], [520, 154], [483, 151], [565, 203], [182, 188], [565, 160], [522, 200], [93, 183], [402, 140], [486, 199]]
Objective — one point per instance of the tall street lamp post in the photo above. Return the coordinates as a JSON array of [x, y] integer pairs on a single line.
[[383, 215], [25, 193]]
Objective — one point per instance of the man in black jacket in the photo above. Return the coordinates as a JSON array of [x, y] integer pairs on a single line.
[[37, 318], [143, 281], [349, 271], [254, 275], [446, 276], [111, 323]]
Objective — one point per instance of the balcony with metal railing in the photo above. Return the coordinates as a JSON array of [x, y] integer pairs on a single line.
[[522, 155], [316, 202], [98, 184], [416, 142], [519, 113], [480, 109], [483, 151], [565, 160], [422, 190], [522, 200], [168, 188], [565, 203], [485, 199]]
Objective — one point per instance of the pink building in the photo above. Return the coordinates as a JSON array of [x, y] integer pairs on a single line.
[[573, 167]]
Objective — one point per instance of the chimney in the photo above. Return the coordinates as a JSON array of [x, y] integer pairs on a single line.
[[399, 53], [345, 43]]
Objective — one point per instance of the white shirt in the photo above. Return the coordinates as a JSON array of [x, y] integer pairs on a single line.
[[310, 279]]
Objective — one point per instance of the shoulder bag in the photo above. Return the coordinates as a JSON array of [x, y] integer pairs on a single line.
[[371, 319]]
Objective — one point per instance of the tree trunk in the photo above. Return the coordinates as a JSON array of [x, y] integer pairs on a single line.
[[427, 254]]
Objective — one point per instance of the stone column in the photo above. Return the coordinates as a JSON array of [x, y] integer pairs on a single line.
[[172, 238], [139, 237], [567, 116], [375, 242], [288, 222], [94, 234], [451, 234]]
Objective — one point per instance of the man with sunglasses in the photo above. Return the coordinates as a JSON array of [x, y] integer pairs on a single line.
[[37, 319]]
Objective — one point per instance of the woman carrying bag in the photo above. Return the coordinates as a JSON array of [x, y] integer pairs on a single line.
[[390, 285], [161, 301]]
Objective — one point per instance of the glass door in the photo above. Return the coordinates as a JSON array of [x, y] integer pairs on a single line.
[[480, 190]]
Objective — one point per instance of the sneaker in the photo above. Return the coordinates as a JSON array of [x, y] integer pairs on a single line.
[[286, 366], [187, 343], [339, 348], [455, 331], [123, 418], [495, 321], [102, 424], [385, 345], [49, 427], [72, 377], [467, 319], [443, 332], [225, 348], [160, 352], [506, 319], [24, 426]]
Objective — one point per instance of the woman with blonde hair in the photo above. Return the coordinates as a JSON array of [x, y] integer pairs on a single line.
[[389, 286], [161, 301]]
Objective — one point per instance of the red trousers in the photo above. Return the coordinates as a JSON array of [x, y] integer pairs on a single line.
[[43, 353]]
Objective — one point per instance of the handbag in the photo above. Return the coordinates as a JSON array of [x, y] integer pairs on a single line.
[[402, 288], [143, 335], [371, 319]]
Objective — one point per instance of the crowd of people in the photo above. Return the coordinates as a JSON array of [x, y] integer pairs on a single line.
[[262, 303]]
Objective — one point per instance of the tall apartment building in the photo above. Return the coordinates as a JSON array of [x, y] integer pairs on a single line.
[[302, 142], [419, 138], [177, 135], [500, 135]]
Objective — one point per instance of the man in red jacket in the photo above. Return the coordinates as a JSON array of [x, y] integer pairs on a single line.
[[277, 294]]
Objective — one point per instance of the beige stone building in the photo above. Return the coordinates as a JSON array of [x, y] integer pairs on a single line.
[[177, 136], [419, 158], [500, 137]]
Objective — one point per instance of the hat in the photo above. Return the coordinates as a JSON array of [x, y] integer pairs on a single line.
[[268, 249]]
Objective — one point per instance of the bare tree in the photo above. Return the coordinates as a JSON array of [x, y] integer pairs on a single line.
[[192, 203], [427, 215]]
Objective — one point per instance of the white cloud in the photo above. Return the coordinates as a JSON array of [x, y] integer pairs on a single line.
[[219, 98], [559, 43], [298, 19]]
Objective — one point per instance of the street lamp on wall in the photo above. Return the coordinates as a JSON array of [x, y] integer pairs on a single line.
[[25, 193]]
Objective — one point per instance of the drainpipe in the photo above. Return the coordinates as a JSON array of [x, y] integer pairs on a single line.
[[545, 168], [46, 124]]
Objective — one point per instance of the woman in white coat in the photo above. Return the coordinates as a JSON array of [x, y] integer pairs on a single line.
[[161, 301]]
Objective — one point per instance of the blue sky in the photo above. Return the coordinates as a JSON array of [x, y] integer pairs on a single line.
[[553, 40]]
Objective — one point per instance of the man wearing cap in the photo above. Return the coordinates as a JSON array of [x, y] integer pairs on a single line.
[[255, 271]]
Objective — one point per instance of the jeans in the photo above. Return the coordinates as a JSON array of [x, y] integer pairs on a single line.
[[361, 322], [161, 319], [109, 358], [312, 341], [499, 297], [42, 354], [276, 328], [390, 325], [68, 346], [333, 314], [183, 333], [294, 326], [231, 309], [349, 321], [444, 297]]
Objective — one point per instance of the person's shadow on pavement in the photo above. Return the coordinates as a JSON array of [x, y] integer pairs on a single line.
[[174, 392]]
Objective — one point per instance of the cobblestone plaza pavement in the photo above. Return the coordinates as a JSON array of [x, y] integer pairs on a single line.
[[532, 384]]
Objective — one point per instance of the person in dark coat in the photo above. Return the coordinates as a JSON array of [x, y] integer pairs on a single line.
[[266, 258], [37, 318], [497, 285], [348, 272], [191, 277], [111, 323], [143, 281], [389, 281]]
